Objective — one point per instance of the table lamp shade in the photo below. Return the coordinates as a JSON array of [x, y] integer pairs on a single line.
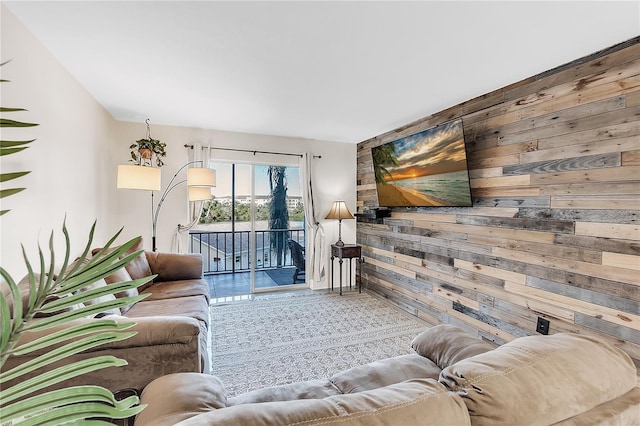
[[138, 177], [339, 210], [201, 177]]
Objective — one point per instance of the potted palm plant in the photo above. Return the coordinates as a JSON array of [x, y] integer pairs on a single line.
[[51, 304]]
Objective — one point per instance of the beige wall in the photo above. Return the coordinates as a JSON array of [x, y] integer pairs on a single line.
[[79, 146], [68, 174], [333, 174], [554, 164]]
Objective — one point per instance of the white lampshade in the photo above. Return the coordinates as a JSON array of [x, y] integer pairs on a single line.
[[199, 193], [200, 176], [138, 177]]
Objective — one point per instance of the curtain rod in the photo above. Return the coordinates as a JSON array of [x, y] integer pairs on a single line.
[[253, 151]]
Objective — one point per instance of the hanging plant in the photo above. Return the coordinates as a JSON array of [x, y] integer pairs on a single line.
[[144, 150]]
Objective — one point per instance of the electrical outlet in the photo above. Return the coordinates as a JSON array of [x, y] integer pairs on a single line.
[[543, 326]]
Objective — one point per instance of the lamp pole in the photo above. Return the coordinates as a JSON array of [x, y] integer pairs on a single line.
[[162, 198]]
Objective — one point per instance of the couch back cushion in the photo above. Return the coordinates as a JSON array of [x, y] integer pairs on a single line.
[[175, 266], [414, 402], [25, 290], [540, 379], [385, 372], [311, 389], [138, 267], [446, 344]]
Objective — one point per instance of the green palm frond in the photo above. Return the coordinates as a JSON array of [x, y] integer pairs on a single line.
[[63, 332], [71, 397], [10, 176], [12, 147]]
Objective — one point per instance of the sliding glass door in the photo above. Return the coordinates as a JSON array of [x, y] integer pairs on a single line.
[[251, 233]]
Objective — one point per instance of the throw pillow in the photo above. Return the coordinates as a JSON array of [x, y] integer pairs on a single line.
[[53, 298], [122, 275], [138, 267], [105, 298]]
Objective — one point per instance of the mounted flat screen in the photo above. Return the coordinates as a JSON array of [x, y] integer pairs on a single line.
[[426, 169]]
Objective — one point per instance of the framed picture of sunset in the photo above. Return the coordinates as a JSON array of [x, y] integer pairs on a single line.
[[426, 169]]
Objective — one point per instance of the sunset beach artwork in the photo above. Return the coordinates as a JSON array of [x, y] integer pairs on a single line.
[[426, 169]]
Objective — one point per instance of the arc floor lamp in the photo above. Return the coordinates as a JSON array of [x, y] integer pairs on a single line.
[[199, 181]]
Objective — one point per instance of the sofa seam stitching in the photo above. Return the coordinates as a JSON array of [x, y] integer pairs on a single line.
[[331, 419]]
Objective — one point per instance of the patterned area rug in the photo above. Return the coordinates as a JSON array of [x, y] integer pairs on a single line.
[[268, 342]]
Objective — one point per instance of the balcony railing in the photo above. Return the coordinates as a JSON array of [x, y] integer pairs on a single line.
[[227, 251]]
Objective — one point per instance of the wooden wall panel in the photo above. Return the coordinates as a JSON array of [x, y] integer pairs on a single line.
[[554, 230]]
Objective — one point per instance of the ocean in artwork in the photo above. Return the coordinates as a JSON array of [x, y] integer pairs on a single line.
[[451, 189]]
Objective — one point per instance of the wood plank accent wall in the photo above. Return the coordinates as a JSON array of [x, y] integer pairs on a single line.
[[554, 229]]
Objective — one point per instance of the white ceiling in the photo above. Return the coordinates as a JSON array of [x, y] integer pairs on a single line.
[[339, 71]]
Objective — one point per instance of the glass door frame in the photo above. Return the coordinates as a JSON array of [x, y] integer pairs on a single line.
[[252, 242]]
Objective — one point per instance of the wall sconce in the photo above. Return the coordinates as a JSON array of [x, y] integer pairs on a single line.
[[339, 211]]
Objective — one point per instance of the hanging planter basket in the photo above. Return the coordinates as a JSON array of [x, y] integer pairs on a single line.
[[145, 151]]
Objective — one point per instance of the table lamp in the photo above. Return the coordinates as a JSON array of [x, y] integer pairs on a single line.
[[339, 211]]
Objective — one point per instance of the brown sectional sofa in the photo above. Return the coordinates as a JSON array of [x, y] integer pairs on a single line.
[[452, 379], [172, 324]]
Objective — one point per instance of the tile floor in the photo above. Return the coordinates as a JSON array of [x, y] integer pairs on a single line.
[[228, 287]]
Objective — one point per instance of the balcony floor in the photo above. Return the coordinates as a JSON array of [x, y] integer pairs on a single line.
[[238, 284]]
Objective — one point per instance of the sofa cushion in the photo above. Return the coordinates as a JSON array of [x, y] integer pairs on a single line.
[[446, 344], [175, 266], [624, 410], [138, 267], [192, 307], [357, 379], [540, 379], [122, 275], [419, 401], [25, 290], [180, 288], [312, 389], [385, 372]]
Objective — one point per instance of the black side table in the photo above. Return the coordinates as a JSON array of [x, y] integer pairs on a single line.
[[351, 252]]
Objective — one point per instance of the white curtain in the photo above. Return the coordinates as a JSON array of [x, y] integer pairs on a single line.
[[195, 207], [315, 252]]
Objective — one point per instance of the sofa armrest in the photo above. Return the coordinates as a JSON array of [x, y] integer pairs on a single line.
[[157, 330], [175, 266], [176, 397], [160, 330]]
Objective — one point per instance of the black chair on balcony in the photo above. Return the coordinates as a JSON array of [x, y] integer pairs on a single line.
[[297, 256]]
